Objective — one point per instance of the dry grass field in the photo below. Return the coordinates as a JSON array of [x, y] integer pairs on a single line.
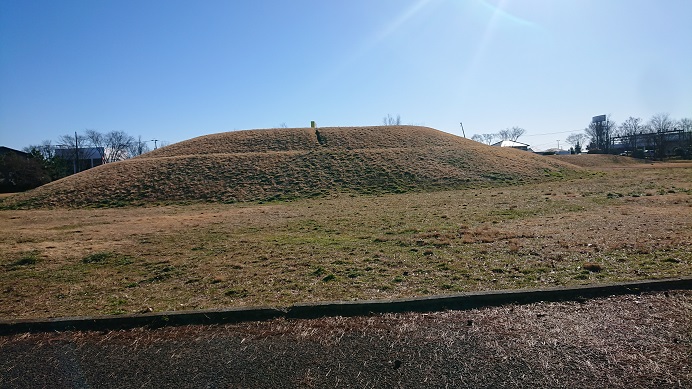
[[616, 221]]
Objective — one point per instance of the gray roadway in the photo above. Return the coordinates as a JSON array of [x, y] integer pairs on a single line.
[[625, 341]]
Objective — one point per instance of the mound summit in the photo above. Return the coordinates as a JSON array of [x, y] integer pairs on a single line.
[[260, 165]]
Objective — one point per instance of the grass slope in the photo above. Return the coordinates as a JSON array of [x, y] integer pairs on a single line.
[[261, 165], [600, 160]]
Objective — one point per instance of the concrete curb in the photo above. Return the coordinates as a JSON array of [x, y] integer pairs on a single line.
[[482, 299], [460, 301], [151, 320]]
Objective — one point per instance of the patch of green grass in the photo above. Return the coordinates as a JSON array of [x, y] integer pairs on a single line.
[[319, 271], [99, 257], [26, 259], [554, 173], [116, 306], [102, 257], [513, 213]]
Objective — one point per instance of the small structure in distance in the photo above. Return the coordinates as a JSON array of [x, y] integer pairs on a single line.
[[82, 158], [512, 144]]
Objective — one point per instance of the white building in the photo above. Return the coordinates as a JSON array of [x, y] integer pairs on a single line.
[[512, 144]]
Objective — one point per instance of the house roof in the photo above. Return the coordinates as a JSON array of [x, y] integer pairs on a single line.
[[6, 150], [510, 143]]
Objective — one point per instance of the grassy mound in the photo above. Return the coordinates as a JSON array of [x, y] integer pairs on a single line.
[[260, 165]]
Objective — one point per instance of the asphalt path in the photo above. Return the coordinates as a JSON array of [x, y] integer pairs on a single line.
[[624, 341]]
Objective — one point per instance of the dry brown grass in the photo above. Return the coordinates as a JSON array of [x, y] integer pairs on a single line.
[[282, 164], [600, 160], [633, 223]]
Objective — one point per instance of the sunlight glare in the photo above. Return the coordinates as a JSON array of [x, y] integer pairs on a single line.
[[369, 44], [500, 11]]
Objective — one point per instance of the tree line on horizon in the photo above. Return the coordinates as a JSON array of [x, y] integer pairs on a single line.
[[512, 134], [602, 136], [599, 137], [48, 161]]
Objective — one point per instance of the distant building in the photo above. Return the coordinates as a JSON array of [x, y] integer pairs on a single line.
[[82, 158], [19, 171], [512, 144], [555, 151], [663, 144], [6, 150]]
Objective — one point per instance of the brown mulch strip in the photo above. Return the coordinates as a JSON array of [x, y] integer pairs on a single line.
[[633, 341]]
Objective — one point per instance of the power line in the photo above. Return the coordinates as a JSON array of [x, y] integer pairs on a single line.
[[550, 133]]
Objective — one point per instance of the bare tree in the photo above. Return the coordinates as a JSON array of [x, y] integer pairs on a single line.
[[515, 133], [112, 146], [138, 147], [661, 123], [484, 138], [117, 145], [629, 131], [489, 138], [512, 134], [72, 141], [391, 121], [685, 124], [97, 140], [505, 134], [631, 126], [576, 140]]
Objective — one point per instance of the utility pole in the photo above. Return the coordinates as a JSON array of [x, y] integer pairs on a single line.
[[154, 140], [558, 145], [76, 152], [462, 129]]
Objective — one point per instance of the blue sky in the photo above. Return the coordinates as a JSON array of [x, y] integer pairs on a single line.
[[173, 70]]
